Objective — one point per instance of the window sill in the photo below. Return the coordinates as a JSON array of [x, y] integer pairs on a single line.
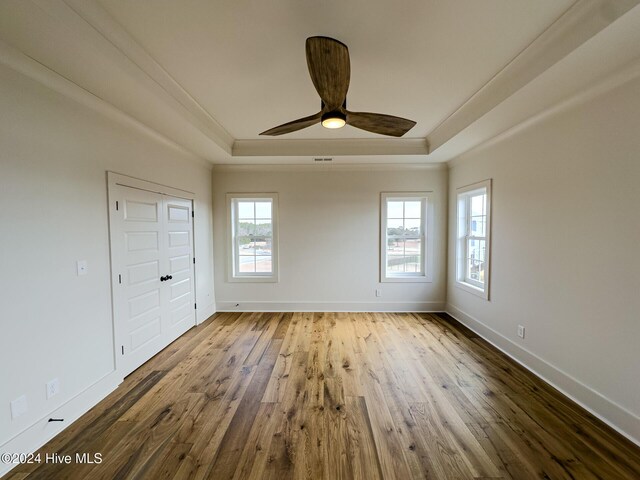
[[406, 279], [256, 279], [478, 292]]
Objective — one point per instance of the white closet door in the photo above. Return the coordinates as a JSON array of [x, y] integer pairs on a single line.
[[152, 248], [137, 233], [178, 298]]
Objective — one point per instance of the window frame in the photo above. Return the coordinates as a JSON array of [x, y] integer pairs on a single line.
[[464, 236], [232, 251], [426, 223]]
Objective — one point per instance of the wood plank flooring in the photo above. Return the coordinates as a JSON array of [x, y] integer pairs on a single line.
[[337, 396]]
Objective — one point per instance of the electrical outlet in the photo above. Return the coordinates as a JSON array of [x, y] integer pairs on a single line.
[[378, 292], [53, 388], [19, 407], [82, 267], [520, 331]]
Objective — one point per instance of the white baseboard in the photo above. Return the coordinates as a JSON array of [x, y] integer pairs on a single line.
[[614, 415], [240, 306], [42, 431], [206, 312]]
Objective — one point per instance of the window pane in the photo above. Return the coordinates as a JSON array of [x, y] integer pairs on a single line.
[[263, 227], [476, 249], [413, 209], [246, 248], [412, 227], [403, 264], [395, 247], [477, 226], [412, 263], [394, 209], [478, 204], [482, 250], [263, 245], [472, 271], [395, 227], [395, 264], [263, 209], [476, 270], [246, 210], [412, 246], [246, 228], [480, 267], [263, 264], [247, 264], [245, 232]]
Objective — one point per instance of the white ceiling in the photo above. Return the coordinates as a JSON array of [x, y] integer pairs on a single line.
[[208, 76], [244, 61]]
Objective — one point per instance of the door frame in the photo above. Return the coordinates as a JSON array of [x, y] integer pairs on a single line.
[[115, 180]]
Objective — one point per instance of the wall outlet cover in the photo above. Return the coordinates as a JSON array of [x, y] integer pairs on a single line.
[[19, 407], [520, 331], [53, 388]]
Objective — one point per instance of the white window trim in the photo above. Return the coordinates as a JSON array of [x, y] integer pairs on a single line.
[[231, 253], [461, 247], [427, 248]]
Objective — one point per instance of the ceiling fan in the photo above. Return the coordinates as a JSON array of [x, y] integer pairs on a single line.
[[329, 67]]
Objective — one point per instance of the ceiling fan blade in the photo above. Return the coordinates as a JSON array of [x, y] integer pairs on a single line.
[[293, 126], [380, 123], [330, 69]]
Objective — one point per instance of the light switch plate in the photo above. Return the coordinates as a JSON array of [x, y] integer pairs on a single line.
[[82, 266], [19, 407]]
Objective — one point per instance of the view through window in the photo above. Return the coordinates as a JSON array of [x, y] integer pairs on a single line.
[[253, 236], [405, 236], [473, 235], [476, 238], [403, 240]]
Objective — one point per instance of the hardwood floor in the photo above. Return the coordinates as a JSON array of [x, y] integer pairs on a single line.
[[337, 396]]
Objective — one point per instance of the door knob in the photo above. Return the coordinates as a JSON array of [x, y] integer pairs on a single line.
[[169, 277], [162, 279]]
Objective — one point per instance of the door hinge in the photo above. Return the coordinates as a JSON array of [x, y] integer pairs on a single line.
[[123, 349], [195, 306], [117, 206], [194, 260], [119, 278], [192, 214]]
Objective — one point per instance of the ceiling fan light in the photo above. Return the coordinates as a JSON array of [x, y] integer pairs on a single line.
[[334, 120]]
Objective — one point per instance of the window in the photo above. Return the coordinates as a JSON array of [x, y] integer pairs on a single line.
[[473, 248], [253, 237], [405, 248]]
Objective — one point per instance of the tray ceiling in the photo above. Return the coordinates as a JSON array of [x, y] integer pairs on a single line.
[[209, 76]]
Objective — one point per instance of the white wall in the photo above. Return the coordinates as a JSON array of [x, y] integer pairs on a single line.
[[54, 156], [566, 251], [329, 239]]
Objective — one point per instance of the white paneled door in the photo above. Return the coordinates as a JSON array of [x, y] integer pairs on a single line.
[[152, 250], [180, 285]]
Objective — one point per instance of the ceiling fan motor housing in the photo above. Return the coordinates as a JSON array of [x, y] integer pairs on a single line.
[[334, 119]]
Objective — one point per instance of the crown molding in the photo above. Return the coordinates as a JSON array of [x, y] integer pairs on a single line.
[[632, 72], [101, 21], [583, 20], [36, 71], [338, 146], [606, 62], [341, 167]]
